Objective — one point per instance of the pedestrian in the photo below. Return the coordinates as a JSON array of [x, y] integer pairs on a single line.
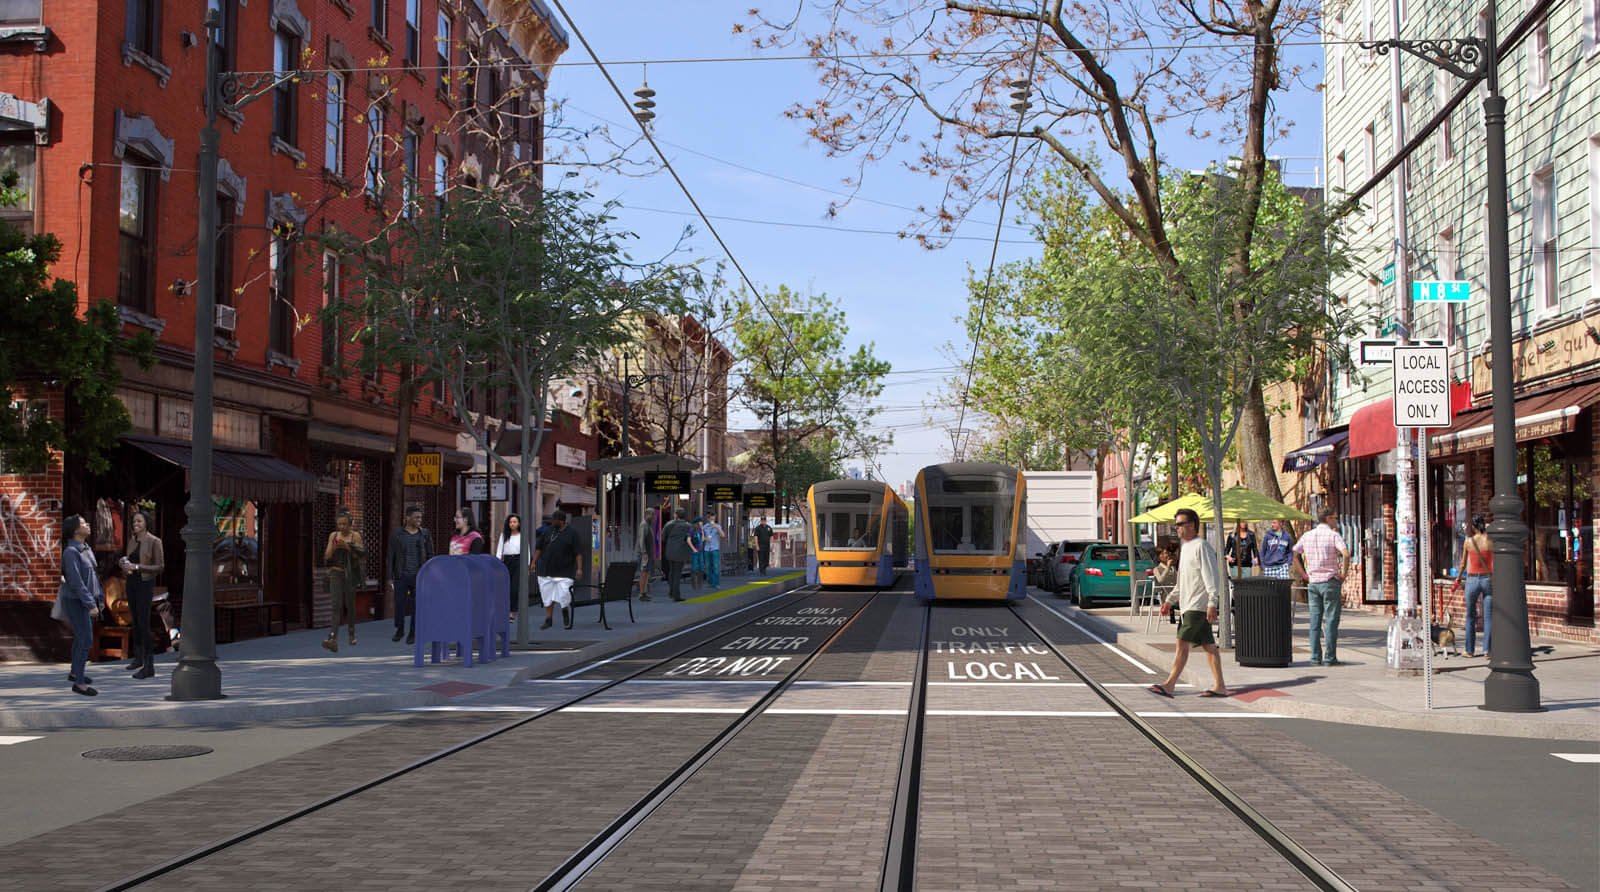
[[675, 552], [1165, 572], [80, 598], [1196, 597], [141, 564], [1324, 561], [711, 544], [467, 539], [555, 560], [509, 550], [343, 557], [409, 548], [1476, 570], [1240, 549], [763, 543], [644, 546], [1276, 551], [697, 569], [857, 539]]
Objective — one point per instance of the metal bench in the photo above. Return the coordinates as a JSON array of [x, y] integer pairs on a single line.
[[618, 586]]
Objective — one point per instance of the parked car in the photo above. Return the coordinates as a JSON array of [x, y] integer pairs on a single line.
[[1101, 573], [1058, 574]]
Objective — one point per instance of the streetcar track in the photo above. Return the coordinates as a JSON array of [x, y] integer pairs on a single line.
[[216, 846]]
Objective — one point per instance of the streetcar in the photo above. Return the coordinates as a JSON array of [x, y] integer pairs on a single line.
[[856, 533], [971, 532]]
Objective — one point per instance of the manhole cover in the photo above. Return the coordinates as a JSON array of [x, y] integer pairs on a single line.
[[147, 752]]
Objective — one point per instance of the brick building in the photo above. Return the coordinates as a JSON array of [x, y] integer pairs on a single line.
[[101, 105]]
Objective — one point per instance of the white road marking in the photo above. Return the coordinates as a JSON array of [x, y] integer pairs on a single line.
[[473, 709], [8, 741], [1581, 758], [729, 710], [1114, 649], [653, 642]]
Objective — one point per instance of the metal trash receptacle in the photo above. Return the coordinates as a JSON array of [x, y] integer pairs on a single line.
[[1265, 622]]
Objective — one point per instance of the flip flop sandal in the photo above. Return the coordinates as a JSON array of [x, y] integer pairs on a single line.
[[1209, 693], [1158, 689]]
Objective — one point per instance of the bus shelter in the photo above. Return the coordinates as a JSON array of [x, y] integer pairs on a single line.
[[731, 485], [660, 469]]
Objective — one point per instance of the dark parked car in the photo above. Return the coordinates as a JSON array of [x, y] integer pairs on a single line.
[[1038, 563]]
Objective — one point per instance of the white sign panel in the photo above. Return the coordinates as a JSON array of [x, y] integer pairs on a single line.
[[1421, 387], [571, 457], [1381, 352]]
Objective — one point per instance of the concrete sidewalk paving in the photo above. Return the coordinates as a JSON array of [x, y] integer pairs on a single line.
[[286, 676], [1363, 690]]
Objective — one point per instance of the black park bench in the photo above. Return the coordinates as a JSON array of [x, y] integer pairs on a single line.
[[620, 580]]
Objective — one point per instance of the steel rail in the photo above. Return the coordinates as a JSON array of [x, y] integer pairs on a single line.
[[1321, 875], [899, 872], [227, 842]]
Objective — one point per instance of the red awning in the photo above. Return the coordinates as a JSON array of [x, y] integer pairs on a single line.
[[1372, 430], [1109, 495]]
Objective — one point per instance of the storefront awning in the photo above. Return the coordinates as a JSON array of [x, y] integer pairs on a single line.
[[237, 473], [1109, 495], [1546, 415], [1316, 453], [572, 494], [1372, 430]]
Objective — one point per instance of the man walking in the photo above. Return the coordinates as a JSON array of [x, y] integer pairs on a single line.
[[1325, 560], [556, 563], [763, 543], [1276, 555], [409, 548], [675, 552], [711, 542], [644, 545], [1196, 597]]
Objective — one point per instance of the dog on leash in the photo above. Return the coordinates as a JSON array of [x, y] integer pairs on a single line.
[[1444, 638]]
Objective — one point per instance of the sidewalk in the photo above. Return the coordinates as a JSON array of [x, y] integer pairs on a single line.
[[1363, 690], [286, 676]]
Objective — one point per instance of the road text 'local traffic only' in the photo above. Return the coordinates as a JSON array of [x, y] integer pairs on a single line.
[[1421, 386]]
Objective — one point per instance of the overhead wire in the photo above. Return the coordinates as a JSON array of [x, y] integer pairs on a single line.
[[666, 164]]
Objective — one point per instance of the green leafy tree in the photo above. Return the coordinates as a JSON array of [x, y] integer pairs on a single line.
[[800, 380], [45, 345], [497, 293]]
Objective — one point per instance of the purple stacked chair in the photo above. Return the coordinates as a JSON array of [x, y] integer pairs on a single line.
[[449, 608]]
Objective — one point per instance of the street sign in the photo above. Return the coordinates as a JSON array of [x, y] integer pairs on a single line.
[[760, 500], [1421, 387], [1388, 274], [725, 492], [666, 482], [424, 469], [1378, 351], [486, 488], [1445, 292]]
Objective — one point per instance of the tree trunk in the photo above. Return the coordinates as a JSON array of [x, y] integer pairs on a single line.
[[1099, 486], [397, 471], [1255, 447], [530, 524]]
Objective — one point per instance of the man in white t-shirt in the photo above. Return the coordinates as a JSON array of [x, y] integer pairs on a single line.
[[711, 543], [1196, 597]]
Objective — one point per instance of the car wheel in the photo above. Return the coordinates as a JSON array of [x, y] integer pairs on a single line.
[[1085, 602]]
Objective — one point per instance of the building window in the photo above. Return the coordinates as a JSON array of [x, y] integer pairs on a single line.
[[333, 142], [1483, 34], [1591, 25], [1339, 176], [1367, 26], [223, 49], [1445, 143], [441, 177], [1539, 57], [136, 234], [380, 17], [144, 26], [223, 278], [20, 157], [1369, 142], [1450, 513], [1545, 279], [19, 12], [409, 188], [285, 56], [375, 150], [280, 291], [413, 32], [1406, 178], [1554, 484], [442, 41], [331, 297]]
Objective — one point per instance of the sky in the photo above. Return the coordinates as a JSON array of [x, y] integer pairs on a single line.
[[722, 126]]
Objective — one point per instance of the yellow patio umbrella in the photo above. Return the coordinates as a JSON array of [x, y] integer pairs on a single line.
[[1168, 512], [1240, 503]]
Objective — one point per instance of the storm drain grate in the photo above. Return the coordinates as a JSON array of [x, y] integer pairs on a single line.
[[147, 752]]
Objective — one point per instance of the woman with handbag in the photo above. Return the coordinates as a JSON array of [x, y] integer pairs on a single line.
[[1477, 566], [142, 564], [79, 597]]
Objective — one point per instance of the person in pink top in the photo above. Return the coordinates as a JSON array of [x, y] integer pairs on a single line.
[[467, 539], [1324, 559]]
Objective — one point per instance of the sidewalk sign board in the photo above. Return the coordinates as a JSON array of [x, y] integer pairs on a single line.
[[1421, 386]]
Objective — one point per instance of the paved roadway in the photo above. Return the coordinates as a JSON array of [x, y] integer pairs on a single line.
[[1029, 781]]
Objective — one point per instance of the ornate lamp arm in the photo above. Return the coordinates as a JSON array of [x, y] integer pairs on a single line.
[[1463, 57]]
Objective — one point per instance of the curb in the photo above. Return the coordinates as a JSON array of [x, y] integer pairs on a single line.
[[1484, 724], [221, 712]]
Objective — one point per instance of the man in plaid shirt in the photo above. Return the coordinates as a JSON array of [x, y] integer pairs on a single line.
[[1325, 560]]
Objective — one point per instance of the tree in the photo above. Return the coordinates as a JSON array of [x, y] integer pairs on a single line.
[[45, 345], [799, 380], [1115, 75], [497, 292]]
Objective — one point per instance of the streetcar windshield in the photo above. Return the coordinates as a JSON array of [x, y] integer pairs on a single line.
[[970, 514], [848, 521]]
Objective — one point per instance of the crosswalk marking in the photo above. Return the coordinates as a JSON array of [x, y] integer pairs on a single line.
[[1581, 758], [8, 741]]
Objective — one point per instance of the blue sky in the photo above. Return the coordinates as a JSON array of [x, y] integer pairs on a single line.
[[902, 298]]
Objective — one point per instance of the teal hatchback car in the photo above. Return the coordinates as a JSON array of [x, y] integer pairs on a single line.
[[1102, 573]]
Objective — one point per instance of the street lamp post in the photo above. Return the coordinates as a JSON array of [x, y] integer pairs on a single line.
[[1511, 686], [197, 676]]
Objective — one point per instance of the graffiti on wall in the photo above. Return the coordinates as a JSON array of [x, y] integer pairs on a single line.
[[29, 530]]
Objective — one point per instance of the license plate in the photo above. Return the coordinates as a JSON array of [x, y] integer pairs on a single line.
[[1122, 572]]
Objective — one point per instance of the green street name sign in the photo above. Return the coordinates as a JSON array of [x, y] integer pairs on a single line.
[[1444, 292]]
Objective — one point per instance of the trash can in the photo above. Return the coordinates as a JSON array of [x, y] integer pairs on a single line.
[[1265, 622]]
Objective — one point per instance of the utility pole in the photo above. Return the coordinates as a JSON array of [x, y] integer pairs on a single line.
[[1405, 510]]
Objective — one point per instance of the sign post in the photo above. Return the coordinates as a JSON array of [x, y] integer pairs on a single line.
[[1421, 385]]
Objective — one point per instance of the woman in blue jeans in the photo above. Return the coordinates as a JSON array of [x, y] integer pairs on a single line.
[[80, 597], [1477, 566]]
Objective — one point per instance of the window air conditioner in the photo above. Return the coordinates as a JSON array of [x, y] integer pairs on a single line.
[[227, 318]]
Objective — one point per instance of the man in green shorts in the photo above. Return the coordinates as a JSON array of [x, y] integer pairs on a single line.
[[1196, 597]]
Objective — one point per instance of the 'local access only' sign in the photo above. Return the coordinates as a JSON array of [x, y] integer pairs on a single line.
[[1421, 386]]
